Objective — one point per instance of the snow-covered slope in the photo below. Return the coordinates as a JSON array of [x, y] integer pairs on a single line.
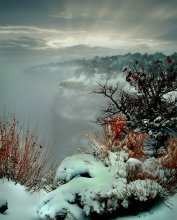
[[21, 204]]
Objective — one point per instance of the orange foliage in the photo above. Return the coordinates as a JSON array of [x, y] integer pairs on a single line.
[[115, 137], [169, 160], [113, 130], [135, 143], [115, 125]]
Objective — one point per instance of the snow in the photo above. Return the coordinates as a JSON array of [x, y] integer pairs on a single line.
[[133, 162], [170, 96], [59, 201], [144, 189], [163, 211], [96, 184], [21, 204], [3, 200]]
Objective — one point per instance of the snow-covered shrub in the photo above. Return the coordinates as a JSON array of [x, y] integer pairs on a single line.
[[91, 186], [22, 158], [115, 177]]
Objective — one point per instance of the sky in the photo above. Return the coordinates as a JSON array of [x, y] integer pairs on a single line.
[[145, 26], [37, 32]]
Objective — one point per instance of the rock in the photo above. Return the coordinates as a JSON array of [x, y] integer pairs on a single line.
[[3, 203]]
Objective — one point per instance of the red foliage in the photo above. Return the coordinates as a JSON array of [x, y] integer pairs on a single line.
[[22, 158], [135, 143], [135, 77], [169, 59], [116, 125], [169, 160], [111, 138]]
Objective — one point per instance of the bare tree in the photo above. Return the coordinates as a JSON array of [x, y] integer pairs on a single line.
[[153, 108]]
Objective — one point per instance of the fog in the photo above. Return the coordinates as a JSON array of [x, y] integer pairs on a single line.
[[52, 99]]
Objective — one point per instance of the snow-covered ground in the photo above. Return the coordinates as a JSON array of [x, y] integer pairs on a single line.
[[22, 205], [166, 211]]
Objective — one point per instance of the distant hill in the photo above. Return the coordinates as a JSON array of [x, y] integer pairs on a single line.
[[110, 64]]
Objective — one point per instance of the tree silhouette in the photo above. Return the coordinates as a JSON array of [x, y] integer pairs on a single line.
[[152, 109]]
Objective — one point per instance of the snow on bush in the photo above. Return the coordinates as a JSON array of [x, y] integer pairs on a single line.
[[93, 186], [117, 176]]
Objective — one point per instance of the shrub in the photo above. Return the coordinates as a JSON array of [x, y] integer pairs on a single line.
[[162, 169], [23, 158]]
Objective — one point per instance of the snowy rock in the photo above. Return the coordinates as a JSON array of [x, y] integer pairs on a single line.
[[3, 203]]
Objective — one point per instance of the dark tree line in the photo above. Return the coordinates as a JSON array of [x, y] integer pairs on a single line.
[[153, 108]]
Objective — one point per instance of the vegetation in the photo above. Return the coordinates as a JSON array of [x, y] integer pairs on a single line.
[[162, 170], [23, 158], [152, 108]]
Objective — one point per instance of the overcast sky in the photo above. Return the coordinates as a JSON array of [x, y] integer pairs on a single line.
[[52, 24], [35, 32]]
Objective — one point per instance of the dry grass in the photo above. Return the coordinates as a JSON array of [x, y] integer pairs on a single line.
[[22, 158]]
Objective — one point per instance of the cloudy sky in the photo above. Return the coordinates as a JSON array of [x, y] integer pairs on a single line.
[[36, 32], [145, 25]]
